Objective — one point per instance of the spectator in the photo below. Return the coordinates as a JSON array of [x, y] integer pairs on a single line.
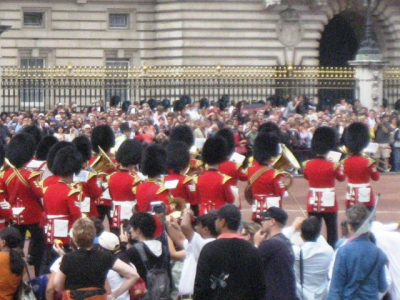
[[382, 137]]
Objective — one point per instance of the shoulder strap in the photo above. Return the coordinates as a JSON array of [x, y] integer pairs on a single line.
[[140, 248], [257, 174], [361, 283]]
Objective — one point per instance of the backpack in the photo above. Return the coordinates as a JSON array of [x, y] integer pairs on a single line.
[[157, 279]]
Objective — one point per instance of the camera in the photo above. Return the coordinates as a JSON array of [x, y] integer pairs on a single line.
[[158, 207]]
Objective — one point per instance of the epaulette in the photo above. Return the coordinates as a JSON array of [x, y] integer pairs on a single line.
[[136, 180], [91, 174], [225, 178], [39, 184], [371, 161], [336, 165], [238, 166], [187, 179], [107, 178], [74, 191], [161, 189], [2, 172], [34, 174], [45, 189], [197, 163], [134, 189], [195, 179]]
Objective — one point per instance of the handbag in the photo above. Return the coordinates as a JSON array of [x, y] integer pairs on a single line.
[[25, 289], [138, 290]]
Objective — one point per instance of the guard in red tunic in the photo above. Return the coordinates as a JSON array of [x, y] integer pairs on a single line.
[[213, 187], [62, 201], [321, 175], [267, 184], [89, 180], [5, 207], [359, 169], [22, 190], [181, 186], [47, 177], [103, 138], [121, 183]]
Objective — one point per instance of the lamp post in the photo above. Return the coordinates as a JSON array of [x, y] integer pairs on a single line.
[[3, 28]]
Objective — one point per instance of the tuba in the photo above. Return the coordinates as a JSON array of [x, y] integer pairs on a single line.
[[343, 149], [286, 160], [103, 162]]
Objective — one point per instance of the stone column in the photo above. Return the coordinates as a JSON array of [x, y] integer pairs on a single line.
[[3, 28]]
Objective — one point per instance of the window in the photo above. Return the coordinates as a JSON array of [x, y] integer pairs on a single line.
[[33, 19], [32, 90], [117, 63], [119, 21], [117, 86]]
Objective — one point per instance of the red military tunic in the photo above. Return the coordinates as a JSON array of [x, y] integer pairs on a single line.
[[321, 175], [359, 171], [185, 188], [213, 190], [121, 186], [92, 191], [268, 189], [101, 177], [233, 170], [5, 214], [22, 192], [61, 203]]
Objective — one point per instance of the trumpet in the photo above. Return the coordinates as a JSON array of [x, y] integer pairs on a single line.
[[373, 160]]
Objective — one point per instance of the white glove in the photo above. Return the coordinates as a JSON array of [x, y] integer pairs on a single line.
[[5, 205]]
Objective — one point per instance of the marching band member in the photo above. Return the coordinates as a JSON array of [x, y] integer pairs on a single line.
[[180, 185], [266, 183], [121, 183], [5, 207], [103, 139], [20, 187], [91, 190], [213, 188], [359, 169], [48, 177], [321, 174], [62, 201]]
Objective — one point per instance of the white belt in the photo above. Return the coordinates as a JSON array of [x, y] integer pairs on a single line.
[[128, 202], [359, 185], [321, 190], [2, 221], [56, 216]]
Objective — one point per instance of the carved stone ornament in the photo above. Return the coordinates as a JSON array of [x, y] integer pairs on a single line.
[[271, 3], [290, 29]]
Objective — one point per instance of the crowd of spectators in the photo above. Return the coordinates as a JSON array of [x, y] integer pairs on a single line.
[[147, 122]]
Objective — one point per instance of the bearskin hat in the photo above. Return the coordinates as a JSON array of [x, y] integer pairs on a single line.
[[214, 150], [266, 146], [182, 133], [204, 103], [324, 140], [227, 135], [154, 161], [166, 103], [44, 146], [53, 151], [68, 161], [357, 137], [34, 131], [178, 156], [21, 149], [270, 127], [114, 101], [84, 147], [129, 153], [152, 103], [102, 136], [223, 102], [125, 106], [2, 154]]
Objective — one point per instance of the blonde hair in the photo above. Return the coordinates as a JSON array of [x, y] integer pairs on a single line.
[[83, 232]]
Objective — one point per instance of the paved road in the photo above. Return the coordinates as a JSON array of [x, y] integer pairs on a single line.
[[388, 208]]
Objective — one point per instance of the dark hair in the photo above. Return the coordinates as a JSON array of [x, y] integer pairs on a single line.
[[129, 153], [145, 222], [208, 220], [84, 147], [53, 151], [21, 149], [98, 224], [44, 146], [356, 215], [68, 161], [13, 239], [154, 161], [311, 229], [178, 156], [227, 135], [231, 214]]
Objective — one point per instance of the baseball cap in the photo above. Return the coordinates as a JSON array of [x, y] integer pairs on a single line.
[[108, 241], [275, 213]]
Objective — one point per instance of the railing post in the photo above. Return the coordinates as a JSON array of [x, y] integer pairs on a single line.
[[3, 28]]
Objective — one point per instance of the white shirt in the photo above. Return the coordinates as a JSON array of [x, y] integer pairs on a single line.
[[192, 249], [317, 257], [116, 281]]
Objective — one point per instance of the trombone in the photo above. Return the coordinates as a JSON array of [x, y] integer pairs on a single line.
[[343, 149]]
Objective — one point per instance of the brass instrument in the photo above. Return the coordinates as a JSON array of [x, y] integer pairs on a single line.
[[375, 161], [103, 162], [286, 160], [177, 205]]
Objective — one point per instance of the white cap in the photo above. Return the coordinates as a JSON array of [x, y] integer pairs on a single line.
[[109, 241]]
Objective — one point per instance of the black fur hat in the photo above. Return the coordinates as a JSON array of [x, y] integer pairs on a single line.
[[204, 103], [125, 106], [270, 127], [68, 161], [2, 154], [182, 133], [34, 131], [154, 161], [324, 140], [129, 153], [21, 149], [102, 136], [44, 146], [178, 156], [227, 135], [84, 147], [53, 151], [166, 103], [214, 150], [114, 101], [357, 137], [266, 146]]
